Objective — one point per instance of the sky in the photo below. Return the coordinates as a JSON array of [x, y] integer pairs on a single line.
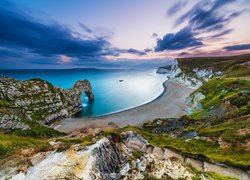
[[119, 34]]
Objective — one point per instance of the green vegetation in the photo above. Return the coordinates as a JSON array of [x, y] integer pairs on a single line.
[[230, 90], [217, 63], [36, 138], [10, 143], [199, 148], [137, 154], [198, 114], [224, 117], [4, 103], [39, 132], [83, 142], [219, 90], [229, 130], [213, 175]]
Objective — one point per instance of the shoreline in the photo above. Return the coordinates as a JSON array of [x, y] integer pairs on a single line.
[[170, 103], [128, 109]]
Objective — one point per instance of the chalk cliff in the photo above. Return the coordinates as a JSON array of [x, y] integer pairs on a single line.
[[193, 78], [38, 101]]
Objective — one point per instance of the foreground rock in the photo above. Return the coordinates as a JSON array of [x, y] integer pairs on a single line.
[[127, 156], [98, 161], [39, 101], [107, 159]]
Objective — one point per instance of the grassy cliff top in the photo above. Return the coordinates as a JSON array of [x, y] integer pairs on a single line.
[[218, 63]]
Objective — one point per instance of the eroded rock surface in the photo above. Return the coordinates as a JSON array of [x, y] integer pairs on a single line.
[[98, 161], [193, 78], [39, 101]]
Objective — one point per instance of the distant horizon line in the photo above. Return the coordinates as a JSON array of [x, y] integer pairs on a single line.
[[124, 68]]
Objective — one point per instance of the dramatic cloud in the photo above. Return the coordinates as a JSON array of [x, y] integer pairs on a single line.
[[51, 40], [204, 17], [48, 40], [137, 52], [220, 34], [176, 7], [180, 40], [117, 51], [237, 47]]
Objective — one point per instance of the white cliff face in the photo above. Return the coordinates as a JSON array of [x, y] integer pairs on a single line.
[[156, 162], [98, 161], [193, 102], [199, 76], [159, 168]]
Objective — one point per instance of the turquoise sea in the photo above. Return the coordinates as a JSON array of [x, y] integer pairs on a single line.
[[114, 90]]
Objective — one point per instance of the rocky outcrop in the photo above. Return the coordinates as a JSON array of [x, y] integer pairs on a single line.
[[39, 101], [192, 78], [193, 102], [9, 121], [112, 158], [99, 161], [165, 161]]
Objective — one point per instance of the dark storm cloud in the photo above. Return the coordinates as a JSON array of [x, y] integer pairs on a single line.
[[207, 16], [204, 17], [48, 40], [176, 7], [180, 40], [237, 47], [36, 40]]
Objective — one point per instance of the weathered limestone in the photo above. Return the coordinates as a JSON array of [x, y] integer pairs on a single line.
[[195, 163], [95, 162], [136, 141], [169, 153], [194, 78], [39, 101], [193, 102], [8, 121], [158, 152], [166, 154]]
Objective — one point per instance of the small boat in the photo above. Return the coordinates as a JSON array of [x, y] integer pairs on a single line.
[[121, 80]]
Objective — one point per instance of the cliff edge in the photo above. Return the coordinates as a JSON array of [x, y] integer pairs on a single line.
[[36, 100]]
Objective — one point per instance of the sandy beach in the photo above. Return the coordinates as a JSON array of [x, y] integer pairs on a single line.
[[171, 103]]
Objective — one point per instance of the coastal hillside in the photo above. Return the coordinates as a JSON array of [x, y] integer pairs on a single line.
[[211, 142], [35, 101]]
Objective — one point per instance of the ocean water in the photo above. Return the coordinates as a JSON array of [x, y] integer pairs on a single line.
[[138, 86]]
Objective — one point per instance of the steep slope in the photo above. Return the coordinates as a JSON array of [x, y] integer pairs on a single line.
[[217, 127], [213, 139], [226, 95], [36, 101]]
